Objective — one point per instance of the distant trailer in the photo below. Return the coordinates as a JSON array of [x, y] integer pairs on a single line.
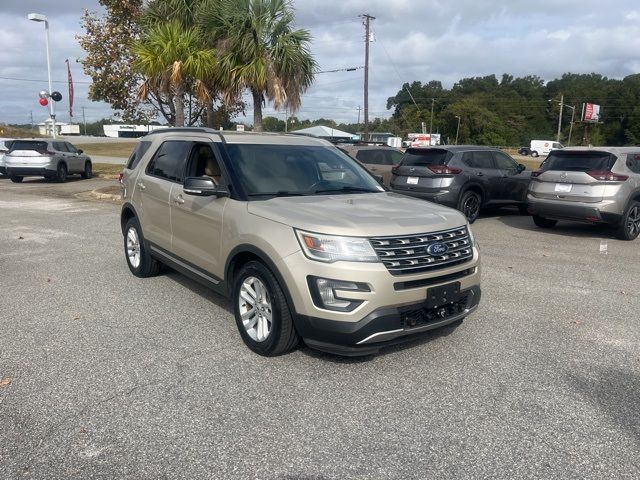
[[70, 129], [129, 131]]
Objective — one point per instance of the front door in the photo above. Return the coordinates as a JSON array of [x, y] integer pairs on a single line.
[[514, 183]]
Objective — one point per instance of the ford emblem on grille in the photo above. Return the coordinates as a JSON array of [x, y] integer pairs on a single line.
[[437, 249]]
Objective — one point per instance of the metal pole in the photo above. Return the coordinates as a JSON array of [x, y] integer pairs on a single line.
[[367, 21], [433, 100], [84, 120], [457, 130], [573, 112], [560, 118], [52, 109], [286, 119]]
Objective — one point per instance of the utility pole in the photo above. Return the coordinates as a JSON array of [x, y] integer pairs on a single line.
[[367, 29], [359, 107], [31, 115], [560, 118], [457, 129], [433, 101], [84, 120], [573, 113]]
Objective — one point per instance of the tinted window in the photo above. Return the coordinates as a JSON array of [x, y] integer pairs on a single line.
[[414, 157], [578, 161], [483, 159], [137, 154], [40, 147], [633, 162], [504, 162], [60, 146], [375, 157], [169, 160], [71, 148]]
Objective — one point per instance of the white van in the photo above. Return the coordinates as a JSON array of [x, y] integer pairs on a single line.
[[543, 147]]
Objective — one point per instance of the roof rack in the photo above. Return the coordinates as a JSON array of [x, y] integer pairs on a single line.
[[184, 129]]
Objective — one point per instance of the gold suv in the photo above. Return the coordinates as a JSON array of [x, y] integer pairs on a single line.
[[306, 242]]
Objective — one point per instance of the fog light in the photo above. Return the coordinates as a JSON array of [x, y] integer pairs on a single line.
[[323, 292]]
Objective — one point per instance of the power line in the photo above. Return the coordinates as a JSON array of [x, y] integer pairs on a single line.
[[41, 81]]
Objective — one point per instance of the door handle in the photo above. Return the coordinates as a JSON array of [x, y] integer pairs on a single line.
[[141, 185], [479, 174], [179, 200]]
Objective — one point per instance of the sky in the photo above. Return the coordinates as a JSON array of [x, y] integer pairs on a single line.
[[421, 40]]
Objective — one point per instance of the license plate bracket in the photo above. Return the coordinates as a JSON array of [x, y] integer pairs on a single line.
[[412, 180], [442, 295]]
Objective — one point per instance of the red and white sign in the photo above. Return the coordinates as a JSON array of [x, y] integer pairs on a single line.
[[591, 113]]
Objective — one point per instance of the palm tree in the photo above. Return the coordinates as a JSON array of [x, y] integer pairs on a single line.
[[174, 60], [259, 50]]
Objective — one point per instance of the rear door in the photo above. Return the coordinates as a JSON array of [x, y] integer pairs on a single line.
[[419, 170], [154, 186], [573, 176]]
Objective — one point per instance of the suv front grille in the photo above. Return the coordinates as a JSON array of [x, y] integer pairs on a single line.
[[408, 254]]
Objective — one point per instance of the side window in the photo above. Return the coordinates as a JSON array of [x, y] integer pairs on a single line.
[[483, 159], [633, 162], [203, 162], [504, 161], [60, 147], [169, 160], [137, 154], [71, 148], [373, 157]]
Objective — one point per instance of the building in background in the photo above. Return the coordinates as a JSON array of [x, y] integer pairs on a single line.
[[129, 131], [62, 128]]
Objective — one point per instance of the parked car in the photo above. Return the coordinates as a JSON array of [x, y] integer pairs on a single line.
[[464, 177], [378, 159], [302, 238], [524, 151], [5, 144], [52, 159], [594, 185], [543, 147]]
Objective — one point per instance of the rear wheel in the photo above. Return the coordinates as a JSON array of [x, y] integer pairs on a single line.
[[629, 227], [138, 258], [16, 179], [544, 222], [261, 310], [88, 171], [61, 173], [534, 154], [469, 204]]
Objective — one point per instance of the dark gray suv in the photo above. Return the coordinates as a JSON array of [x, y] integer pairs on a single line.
[[463, 177]]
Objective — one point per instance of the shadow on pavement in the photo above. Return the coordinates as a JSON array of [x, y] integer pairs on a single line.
[[563, 228]]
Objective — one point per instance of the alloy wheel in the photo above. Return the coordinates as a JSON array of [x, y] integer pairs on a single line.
[[633, 221], [255, 309], [133, 247], [471, 207]]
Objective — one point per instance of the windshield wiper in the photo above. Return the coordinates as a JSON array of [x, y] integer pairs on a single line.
[[347, 189], [280, 193]]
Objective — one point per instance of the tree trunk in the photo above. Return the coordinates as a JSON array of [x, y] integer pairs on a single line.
[[178, 101], [257, 111], [211, 123]]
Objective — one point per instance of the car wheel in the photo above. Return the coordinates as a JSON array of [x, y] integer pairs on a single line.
[[16, 179], [138, 258], [544, 222], [469, 205], [88, 170], [262, 313], [534, 154], [629, 227], [61, 173]]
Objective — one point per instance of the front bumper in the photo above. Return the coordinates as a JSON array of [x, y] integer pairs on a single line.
[[384, 327], [602, 212]]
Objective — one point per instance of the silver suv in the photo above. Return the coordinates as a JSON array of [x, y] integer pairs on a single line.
[[52, 159], [304, 239], [593, 185]]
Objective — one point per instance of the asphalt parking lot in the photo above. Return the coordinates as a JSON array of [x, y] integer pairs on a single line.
[[104, 375]]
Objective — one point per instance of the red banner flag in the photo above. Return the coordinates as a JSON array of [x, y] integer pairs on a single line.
[[70, 88]]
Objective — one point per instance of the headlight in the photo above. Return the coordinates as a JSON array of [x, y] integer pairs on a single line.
[[331, 248]]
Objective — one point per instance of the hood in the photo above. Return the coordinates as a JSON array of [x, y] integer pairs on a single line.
[[362, 215]]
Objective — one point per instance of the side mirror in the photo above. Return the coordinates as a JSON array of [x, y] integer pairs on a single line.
[[204, 187], [80, 150], [521, 168]]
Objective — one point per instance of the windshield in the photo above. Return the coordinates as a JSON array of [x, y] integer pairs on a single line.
[[425, 157], [282, 170], [578, 161]]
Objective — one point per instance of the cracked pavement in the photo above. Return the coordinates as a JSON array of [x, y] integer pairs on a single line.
[[111, 376]]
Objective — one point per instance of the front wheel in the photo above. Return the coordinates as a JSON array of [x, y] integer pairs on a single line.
[[629, 227], [88, 171], [138, 257], [469, 204], [544, 222], [16, 179], [261, 310]]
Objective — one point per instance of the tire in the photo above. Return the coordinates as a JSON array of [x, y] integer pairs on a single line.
[[16, 179], [145, 266], [469, 204], [88, 170], [522, 208], [281, 336], [61, 173], [629, 226], [544, 222], [534, 154]]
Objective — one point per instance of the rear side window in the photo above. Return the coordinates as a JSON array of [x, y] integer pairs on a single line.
[[633, 162], [578, 161], [169, 160], [425, 157], [375, 157], [36, 146], [137, 154]]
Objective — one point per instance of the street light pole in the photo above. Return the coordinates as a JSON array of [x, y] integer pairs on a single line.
[[457, 129], [560, 118], [573, 112], [38, 17]]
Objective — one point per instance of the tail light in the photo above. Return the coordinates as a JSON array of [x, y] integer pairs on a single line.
[[444, 170], [607, 176], [120, 177], [537, 173]]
